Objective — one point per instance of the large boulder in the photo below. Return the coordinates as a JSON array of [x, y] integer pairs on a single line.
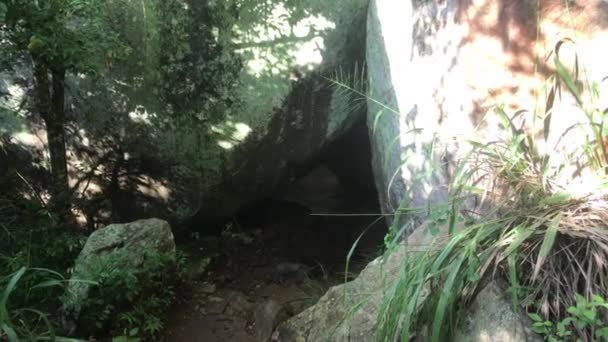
[[128, 241], [348, 312], [437, 69]]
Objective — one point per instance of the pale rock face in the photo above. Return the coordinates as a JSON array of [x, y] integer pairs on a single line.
[[440, 68], [492, 319], [348, 312]]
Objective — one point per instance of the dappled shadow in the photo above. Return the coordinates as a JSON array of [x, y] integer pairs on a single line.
[[149, 135], [507, 44]]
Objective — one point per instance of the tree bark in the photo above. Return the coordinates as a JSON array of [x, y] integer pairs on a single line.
[[51, 105]]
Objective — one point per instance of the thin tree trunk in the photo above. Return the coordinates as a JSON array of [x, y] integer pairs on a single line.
[[51, 105]]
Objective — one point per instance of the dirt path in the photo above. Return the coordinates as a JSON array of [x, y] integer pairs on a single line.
[[263, 275]]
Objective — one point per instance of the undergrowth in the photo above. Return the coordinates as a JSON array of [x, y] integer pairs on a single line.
[[36, 253], [131, 301], [34, 256], [545, 236]]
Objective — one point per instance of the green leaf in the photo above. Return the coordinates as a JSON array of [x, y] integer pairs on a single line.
[[535, 317], [590, 314], [547, 245], [514, 284], [520, 235], [48, 283], [573, 311], [580, 301], [447, 295], [603, 332], [564, 75], [562, 329], [472, 276], [597, 300], [10, 333], [9, 289], [557, 198], [35, 44], [550, 235], [134, 332]]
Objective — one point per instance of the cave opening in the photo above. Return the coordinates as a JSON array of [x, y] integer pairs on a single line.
[[289, 248], [316, 219]]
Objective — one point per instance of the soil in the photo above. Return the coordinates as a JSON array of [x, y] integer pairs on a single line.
[[266, 268]]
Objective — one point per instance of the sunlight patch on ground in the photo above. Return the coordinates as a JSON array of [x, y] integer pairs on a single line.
[[231, 133], [28, 139], [153, 188]]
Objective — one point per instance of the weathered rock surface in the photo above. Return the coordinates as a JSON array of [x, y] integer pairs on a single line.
[[266, 317], [439, 67], [410, 47], [492, 319], [348, 312], [130, 240]]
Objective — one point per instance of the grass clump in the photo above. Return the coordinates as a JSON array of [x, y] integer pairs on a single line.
[[547, 234], [21, 323]]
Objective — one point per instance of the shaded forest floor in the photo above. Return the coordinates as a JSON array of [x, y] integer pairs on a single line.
[[264, 272]]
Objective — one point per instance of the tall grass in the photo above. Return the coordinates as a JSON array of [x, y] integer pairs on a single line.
[[546, 238], [19, 323]]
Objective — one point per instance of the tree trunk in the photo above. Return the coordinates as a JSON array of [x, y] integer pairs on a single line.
[[51, 105]]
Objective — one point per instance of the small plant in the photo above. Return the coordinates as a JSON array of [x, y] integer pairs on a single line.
[[584, 315], [129, 302]]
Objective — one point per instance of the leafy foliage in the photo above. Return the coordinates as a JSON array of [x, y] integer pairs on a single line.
[[198, 69], [72, 34], [30, 236], [585, 314], [128, 298]]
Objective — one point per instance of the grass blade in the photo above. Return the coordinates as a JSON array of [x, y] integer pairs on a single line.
[[447, 296], [10, 333], [9, 289], [547, 244]]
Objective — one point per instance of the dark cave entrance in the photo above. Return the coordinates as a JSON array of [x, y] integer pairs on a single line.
[[284, 252], [316, 219]]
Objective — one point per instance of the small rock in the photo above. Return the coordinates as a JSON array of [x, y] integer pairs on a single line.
[[215, 306], [287, 271], [198, 269], [238, 302], [208, 288]]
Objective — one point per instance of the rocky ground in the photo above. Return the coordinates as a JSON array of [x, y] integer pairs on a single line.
[[266, 271]]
